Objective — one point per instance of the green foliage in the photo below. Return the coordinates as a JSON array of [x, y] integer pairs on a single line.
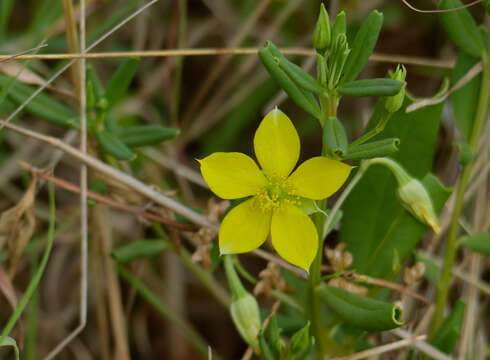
[[143, 135], [120, 81], [339, 25], [363, 45], [113, 146], [43, 105], [359, 311], [465, 100], [138, 249], [373, 149], [448, 334], [8, 341], [334, 137], [371, 87], [461, 28], [375, 223], [479, 242]]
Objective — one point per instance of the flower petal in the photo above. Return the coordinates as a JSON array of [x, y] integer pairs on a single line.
[[232, 175], [243, 229], [319, 177], [294, 236], [276, 144]]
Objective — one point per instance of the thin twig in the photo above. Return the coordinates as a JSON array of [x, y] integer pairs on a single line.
[[106, 200], [407, 4], [379, 57], [5, 58], [383, 348], [422, 345]]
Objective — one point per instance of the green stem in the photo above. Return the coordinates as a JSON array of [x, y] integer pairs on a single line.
[[204, 276], [451, 244], [372, 133], [37, 277], [192, 335]]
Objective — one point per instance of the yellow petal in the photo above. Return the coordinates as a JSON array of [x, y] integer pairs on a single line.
[[294, 236], [232, 175], [243, 229], [319, 177], [276, 144]]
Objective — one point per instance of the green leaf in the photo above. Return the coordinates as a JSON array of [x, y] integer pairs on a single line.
[[264, 347], [302, 98], [479, 242], [8, 341], [138, 249], [334, 137], [43, 105], [371, 87], [6, 7], [373, 149], [146, 135], [363, 312], [97, 86], [465, 100], [363, 45], [113, 146], [120, 81], [300, 339], [299, 76], [447, 336], [461, 28], [375, 224], [339, 25]]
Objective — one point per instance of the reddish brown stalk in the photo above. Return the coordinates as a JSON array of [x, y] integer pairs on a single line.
[[105, 200]]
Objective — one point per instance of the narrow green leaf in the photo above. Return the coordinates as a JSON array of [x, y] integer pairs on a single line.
[[120, 81], [375, 224], [138, 249], [299, 76], [363, 312], [363, 45], [264, 347], [113, 146], [373, 149], [334, 137], [465, 100], [302, 98], [142, 135], [371, 87], [339, 25], [300, 339], [97, 86], [479, 242], [43, 105], [461, 28], [448, 335], [8, 341]]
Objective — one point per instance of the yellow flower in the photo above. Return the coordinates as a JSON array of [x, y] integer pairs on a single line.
[[275, 192]]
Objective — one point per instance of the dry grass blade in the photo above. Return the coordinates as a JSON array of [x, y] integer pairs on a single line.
[[5, 58], [410, 6], [7, 288]]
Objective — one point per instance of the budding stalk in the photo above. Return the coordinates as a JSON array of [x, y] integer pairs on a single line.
[[321, 35], [395, 102]]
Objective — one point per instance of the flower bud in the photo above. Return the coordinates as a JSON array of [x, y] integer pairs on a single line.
[[321, 35], [395, 102], [414, 198], [244, 308]]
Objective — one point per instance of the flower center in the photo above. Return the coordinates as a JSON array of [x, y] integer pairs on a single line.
[[278, 192]]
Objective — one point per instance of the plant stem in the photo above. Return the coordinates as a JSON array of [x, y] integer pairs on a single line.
[[372, 133], [451, 245], [37, 277]]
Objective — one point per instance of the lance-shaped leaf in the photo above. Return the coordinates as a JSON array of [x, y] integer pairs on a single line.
[[375, 225], [447, 336], [142, 135], [43, 105], [302, 98], [478, 242], [371, 87], [363, 45], [299, 76], [360, 311], [465, 100], [373, 149], [334, 137], [138, 249], [461, 28], [339, 25], [120, 81], [113, 146]]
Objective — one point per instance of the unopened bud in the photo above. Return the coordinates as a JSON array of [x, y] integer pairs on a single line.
[[244, 308], [395, 102], [414, 198], [321, 35]]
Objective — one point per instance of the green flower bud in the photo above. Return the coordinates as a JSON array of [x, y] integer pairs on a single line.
[[415, 199], [244, 308], [411, 192], [395, 102], [321, 35]]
